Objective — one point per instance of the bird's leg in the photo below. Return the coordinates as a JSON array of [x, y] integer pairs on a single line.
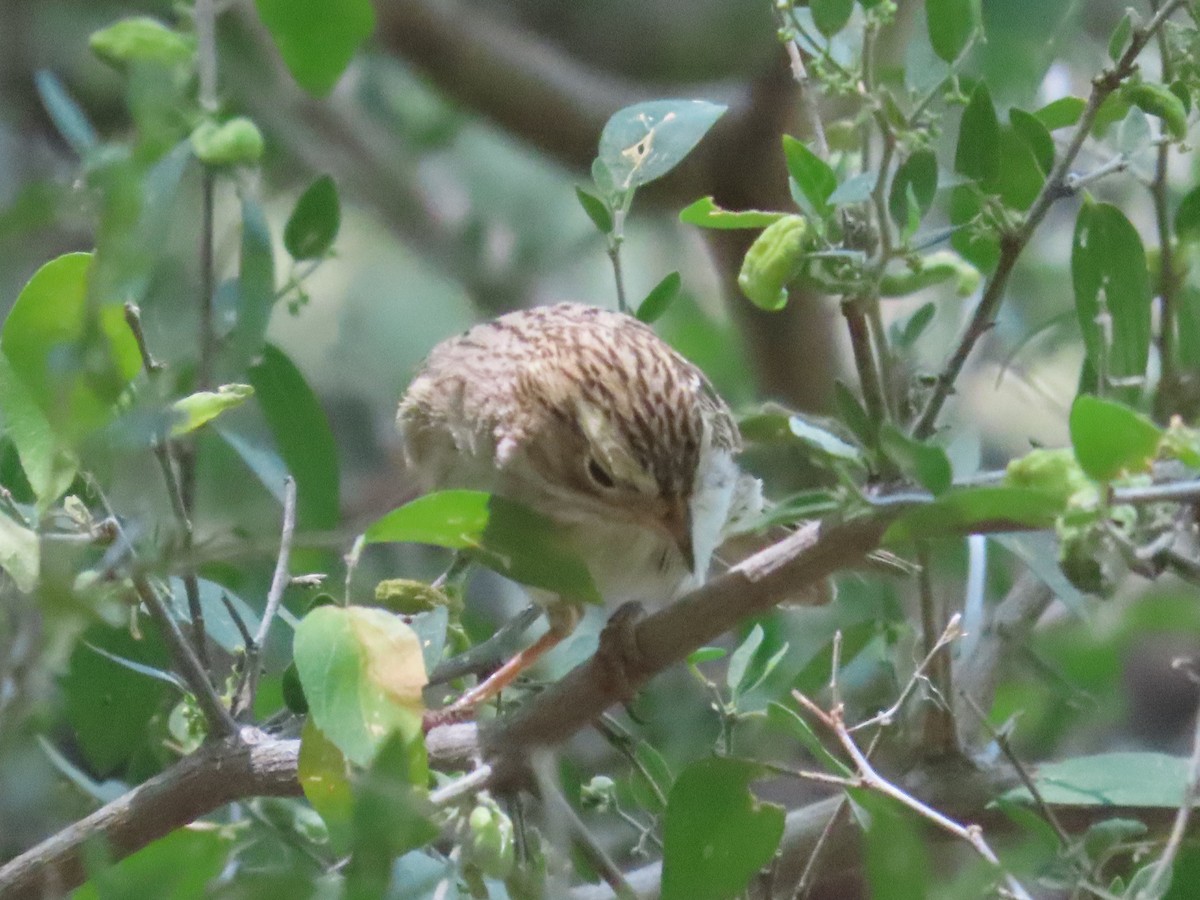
[[563, 617], [618, 651]]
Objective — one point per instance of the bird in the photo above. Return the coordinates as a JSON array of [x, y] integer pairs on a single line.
[[590, 419]]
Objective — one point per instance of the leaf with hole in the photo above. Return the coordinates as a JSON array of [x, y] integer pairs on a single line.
[[1112, 296], [647, 140]]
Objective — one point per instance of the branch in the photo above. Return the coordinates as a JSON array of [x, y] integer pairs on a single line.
[[669, 635], [1014, 243], [220, 772]]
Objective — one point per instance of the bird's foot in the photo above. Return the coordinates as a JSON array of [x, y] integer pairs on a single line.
[[619, 655]]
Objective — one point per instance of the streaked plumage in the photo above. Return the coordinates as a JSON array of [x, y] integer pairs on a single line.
[[592, 420]]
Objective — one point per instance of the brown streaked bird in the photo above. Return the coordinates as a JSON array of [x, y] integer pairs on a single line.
[[589, 418]]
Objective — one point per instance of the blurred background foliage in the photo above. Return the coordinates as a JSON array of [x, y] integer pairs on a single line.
[[453, 210]]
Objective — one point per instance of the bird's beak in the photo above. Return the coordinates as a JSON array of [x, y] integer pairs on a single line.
[[678, 524]]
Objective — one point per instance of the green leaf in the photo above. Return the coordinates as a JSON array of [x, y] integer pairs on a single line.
[[1061, 113], [652, 783], [362, 673], [1104, 780], [302, 434], [1109, 274], [919, 173], [951, 24], [73, 358], [314, 223], [325, 779], [1110, 439], [391, 817], [1187, 217], [500, 533], [141, 39], [967, 510], [1120, 36], [706, 654], [1020, 178], [815, 178], [237, 142], [108, 706], [916, 325], [831, 16], [898, 863], [203, 406], [49, 465], [659, 299], [851, 411], [317, 38], [20, 553], [180, 866], [647, 140], [739, 661], [596, 209], [977, 155], [1104, 836], [1034, 133], [706, 214], [717, 834], [928, 465]]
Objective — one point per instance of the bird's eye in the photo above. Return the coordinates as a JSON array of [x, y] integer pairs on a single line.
[[599, 474]]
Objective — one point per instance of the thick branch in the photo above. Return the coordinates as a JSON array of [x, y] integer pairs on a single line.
[[667, 636], [218, 773]]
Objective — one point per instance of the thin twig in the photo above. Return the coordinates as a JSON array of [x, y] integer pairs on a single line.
[[470, 783], [869, 778], [808, 101], [864, 357], [191, 584], [1064, 839], [279, 581], [615, 238], [1013, 243], [489, 653], [133, 318]]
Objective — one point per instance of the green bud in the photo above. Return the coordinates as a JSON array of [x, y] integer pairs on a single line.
[[772, 261], [490, 845], [1055, 472], [1157, 100], [233, 143], [141, 39]]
